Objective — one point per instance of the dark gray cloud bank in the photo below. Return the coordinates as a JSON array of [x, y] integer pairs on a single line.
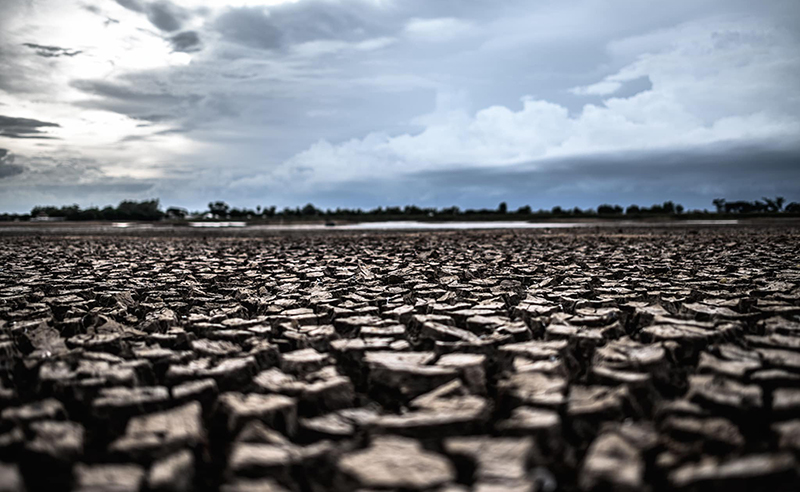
[[51, 51], [11, 127], [7, 166], [187, 41], [164, 15], [389, 102], [689, 176], [693, 177]]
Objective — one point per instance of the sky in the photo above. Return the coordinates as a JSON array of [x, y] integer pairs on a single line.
[[365, 103]]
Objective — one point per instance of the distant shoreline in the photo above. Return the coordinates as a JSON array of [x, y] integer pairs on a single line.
[[709, 219]]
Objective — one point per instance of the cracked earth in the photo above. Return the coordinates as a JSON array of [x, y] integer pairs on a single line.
[[665, 359]]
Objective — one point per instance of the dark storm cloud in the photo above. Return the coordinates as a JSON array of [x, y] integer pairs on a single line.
[[65, 174], [144, 103], [304, 21], [152, 118], [51, 51], [695, 176], [310, 20], [164, 15], [249, 26], [691, 177], [11, 127], [187, 41], [89, 189], [7, 166], [134, 5]]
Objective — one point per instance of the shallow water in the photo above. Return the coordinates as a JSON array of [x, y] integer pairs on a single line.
[[416, 225], [408, 225], [464, 225]]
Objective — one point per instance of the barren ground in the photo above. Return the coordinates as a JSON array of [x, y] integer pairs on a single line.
[[635, 359]]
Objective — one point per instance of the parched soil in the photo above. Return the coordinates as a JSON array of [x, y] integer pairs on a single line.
[[665, 359]]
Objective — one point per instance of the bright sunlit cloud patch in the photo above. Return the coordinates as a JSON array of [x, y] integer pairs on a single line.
[[437, 30]]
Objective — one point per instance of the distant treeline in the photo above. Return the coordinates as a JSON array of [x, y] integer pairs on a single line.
[[150, 210], [126, 210]]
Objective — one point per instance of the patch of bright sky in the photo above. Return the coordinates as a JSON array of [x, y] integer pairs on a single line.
[[107, 49], [130, 44]]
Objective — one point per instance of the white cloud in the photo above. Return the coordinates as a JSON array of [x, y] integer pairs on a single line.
[[437, 30], [374, 44], [602, 88], [323, 47]]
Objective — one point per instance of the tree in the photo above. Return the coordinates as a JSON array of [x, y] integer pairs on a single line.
[[502, 208], [524, 210], [775, 205], [633, 210], [144, 210], [108, 213], [218, 209], [745, 207], [720, 204], [177, 213], [609, 210], [310, 209], [242, 213]]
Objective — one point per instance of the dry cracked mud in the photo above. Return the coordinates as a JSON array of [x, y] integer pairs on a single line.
[[665, 359]]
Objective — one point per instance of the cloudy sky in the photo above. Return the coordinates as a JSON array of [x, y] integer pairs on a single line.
[[391, 102]]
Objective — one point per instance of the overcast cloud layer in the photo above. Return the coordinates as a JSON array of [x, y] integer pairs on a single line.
[[390, 102]]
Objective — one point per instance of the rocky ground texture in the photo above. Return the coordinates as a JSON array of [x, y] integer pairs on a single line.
[[634, 360]]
